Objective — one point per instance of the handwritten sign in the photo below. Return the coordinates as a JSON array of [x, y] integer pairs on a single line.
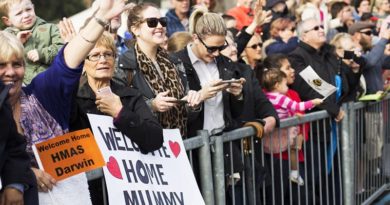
[[160, 177], [69, 154]]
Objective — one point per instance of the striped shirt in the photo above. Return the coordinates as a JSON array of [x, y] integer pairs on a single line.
[[285, 106]]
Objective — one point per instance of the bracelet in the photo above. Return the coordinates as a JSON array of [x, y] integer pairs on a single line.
[[89, 41], [101, 22]]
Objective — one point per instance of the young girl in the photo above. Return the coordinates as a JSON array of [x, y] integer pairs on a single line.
[[275, 84]]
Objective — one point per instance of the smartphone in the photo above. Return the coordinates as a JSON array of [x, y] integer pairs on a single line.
[[179, 101], [105, 91], [349, 55], [229, 81]]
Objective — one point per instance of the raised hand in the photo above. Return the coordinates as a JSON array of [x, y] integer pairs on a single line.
[[67, 30], [23, 36]]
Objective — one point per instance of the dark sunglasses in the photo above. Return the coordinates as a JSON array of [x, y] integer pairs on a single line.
[[316, 28], [254, 46], [212, 49], [368, 33], [153, 22]]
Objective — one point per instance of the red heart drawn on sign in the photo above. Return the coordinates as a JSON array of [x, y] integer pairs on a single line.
[[113, 168], [175, 148]]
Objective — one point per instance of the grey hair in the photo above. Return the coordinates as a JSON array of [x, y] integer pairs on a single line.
[[301, 27]]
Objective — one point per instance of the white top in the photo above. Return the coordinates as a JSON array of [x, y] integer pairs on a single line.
[[213, 107]]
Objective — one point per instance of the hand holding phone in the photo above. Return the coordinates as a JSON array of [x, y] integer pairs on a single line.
[[105, 91], [229, 81]]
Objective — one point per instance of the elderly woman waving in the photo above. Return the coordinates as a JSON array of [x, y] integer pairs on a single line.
[[42, 109]]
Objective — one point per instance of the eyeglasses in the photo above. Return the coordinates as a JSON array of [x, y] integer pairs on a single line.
[[212, 49], [368, 33], [316, 28], [153, 22], [97, 56], [254, 46]]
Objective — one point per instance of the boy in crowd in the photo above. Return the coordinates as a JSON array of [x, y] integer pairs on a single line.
[[41, 40]]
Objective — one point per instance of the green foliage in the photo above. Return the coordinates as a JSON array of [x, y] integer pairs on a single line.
[[54, 10]]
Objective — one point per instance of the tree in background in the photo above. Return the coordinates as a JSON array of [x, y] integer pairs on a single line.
[[54, 10]]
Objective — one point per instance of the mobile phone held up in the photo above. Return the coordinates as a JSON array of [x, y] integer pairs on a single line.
[[179, 101], [229, 81], [105, 91]]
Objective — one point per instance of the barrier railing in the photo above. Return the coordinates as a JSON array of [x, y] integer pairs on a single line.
[[236, 168]]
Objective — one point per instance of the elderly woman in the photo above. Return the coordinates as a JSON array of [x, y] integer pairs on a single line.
[[98, 94], [42, 109], [147, 67]]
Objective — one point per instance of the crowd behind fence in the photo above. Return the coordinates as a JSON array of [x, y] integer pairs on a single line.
[[359, 173]]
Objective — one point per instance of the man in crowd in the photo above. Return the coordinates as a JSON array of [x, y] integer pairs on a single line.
[[178, 16], [313, 51]]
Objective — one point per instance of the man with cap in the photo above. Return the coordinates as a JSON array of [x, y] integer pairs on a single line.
[[374, 55]]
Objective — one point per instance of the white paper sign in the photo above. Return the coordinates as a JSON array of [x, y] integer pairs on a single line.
[[316, 82], [161, 177]]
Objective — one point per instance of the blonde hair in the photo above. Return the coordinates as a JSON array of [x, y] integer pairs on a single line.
[[178, 41], [10, 48], [339, 40], [107, 41], [6, 4], [205, 23]]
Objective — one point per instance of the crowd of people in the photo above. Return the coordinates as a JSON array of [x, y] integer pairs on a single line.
[[189, 69]]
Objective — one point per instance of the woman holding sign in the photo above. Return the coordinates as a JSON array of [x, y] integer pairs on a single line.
[[42, 109]]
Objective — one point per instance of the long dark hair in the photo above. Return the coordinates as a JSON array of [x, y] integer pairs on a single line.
[[273, 61]]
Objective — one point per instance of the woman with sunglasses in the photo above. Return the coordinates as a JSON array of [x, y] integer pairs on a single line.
[[147, 67], [206, 69], [252, 52]]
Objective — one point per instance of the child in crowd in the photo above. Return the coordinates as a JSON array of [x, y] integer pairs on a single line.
[[41, 40], [275, 84]]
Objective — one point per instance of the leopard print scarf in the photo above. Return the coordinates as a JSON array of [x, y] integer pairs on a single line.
[[177, 116]]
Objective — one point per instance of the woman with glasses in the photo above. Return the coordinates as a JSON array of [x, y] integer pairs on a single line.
[[42, 109], [98, 94], [147, 67], [253, 51], [206, 69]]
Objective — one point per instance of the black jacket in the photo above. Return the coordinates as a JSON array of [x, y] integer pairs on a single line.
[[15, 164], [135, 119], [128, 66], [325, 63], [232, 107]]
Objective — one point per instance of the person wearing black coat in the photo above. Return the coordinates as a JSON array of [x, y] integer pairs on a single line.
[[312, 50], [98, 94], [17, 180]]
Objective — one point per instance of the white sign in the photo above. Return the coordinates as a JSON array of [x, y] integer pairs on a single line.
[[316, 82], [161, 177]]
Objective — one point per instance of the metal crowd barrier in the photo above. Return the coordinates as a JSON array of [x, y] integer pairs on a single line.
[[233, 167]]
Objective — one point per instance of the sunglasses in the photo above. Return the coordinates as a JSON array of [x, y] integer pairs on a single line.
[[212, 49], [254, 46], [153, 22], [316, 28], [368, 33]]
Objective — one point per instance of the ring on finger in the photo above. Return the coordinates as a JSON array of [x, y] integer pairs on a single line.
[[43, 185]]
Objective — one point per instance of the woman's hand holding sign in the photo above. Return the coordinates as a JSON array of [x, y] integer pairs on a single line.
[[44, 180]]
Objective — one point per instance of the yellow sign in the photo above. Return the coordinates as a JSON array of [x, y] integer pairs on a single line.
[[69, 154]]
